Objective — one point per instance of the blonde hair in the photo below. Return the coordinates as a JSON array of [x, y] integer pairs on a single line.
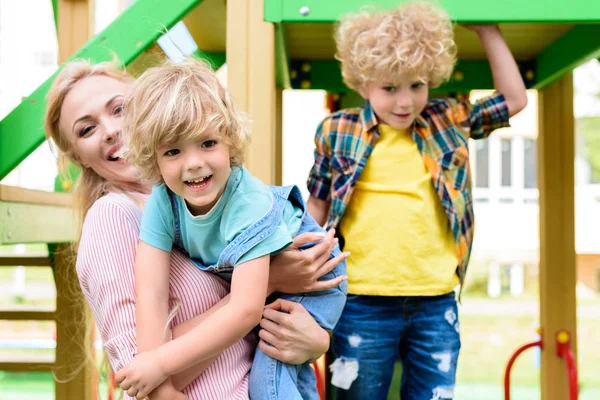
[[90, 186], [175, 102], [417, 38]]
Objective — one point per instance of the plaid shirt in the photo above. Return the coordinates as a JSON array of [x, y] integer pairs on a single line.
[[344, 141]]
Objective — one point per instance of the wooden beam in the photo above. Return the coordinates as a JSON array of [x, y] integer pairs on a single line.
[[462, 11], [75, 26], [21, 195], [576, 47], [35, 223], [26, 260], [556, 169], [251, 79], [74, 366], [27, 314]]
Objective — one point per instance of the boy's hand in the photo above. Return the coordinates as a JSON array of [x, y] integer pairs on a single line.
[[142, 375]]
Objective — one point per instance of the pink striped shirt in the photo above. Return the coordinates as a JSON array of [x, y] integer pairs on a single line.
[[105, 269]]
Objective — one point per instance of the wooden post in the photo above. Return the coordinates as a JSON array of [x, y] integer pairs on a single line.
[[75, 368], [278, 136], [75, 26], [74, 365], [556, 149], [251, 80]]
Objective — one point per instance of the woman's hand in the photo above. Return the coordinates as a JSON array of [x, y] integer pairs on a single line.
[[293, 334], [296, 271]]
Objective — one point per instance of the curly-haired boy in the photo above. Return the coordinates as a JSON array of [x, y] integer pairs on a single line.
[[393, 178]]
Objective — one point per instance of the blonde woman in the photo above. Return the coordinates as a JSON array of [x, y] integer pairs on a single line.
[[84, 119]]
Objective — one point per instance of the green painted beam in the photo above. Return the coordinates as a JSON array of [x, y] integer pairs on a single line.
[[326, 75], [580, 44], [282, 58], [464, 11], [215, 58], [55, 13], [21, 131]]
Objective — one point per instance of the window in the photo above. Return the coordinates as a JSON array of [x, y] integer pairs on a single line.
[[530, 170], [482, 164], [506, 148]]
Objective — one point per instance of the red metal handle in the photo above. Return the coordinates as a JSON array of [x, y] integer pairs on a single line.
[[563, 350], [512, 360], [320, 380]]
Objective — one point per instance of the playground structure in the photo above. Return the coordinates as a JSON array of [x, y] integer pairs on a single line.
[[272, 45]]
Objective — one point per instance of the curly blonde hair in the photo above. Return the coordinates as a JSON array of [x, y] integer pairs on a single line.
[[175, 102], [417, 38]]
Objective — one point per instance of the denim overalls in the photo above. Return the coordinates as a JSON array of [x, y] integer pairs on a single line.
[[269, 378]]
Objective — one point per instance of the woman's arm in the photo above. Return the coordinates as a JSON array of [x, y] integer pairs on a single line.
[[239, 315], [293, 333]]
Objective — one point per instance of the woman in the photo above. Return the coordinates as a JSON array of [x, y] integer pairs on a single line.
[[85, 105]]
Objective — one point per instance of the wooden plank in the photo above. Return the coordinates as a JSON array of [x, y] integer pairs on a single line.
[[556, 169], [261, 94], [25, 260], [74, 366], [35, 223], [18, 366], [21, 195], [27, 313], [75, 26]]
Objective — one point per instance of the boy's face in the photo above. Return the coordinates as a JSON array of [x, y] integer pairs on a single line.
[[196, 170], [397, 103]]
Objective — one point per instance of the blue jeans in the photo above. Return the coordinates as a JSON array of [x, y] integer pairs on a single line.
[[374, 330], [271, 379]]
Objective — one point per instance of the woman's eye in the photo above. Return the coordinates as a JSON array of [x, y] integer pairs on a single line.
[[86, 130], [118, 110], [172, 152]]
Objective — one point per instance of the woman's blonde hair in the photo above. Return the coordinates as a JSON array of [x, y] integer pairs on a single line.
[[175, 102], [417, 38], [90, 186]]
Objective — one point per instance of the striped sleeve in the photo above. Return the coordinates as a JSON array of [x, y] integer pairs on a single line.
[[105, 268], [484, 115]]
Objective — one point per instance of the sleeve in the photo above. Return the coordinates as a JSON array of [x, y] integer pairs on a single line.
[[105, 260], [243, 211], [484, 115], [158, 221], [319, 180]]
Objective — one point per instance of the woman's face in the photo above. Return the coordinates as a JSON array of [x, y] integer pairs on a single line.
[[91, 120]]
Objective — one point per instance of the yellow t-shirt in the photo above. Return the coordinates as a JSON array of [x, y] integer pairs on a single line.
[[395, 226]]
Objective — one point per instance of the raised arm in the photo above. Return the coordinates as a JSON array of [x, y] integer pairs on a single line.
[[507, 78]]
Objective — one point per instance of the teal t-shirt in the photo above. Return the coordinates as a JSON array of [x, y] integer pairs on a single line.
[[244, 201]]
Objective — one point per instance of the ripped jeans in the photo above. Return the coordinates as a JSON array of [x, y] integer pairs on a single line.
[[374, 330]]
